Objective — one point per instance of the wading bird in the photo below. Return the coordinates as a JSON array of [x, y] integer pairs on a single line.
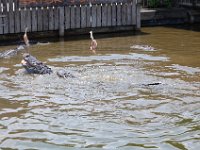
[[25, 37], [93, 44]]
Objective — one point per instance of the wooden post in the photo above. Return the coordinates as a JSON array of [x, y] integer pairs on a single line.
[[83, 16], [119, 14], [72, 17], [94, 16], [78, 16], [109, 15], [1, 20], [11, 17], [34, 19], [17, 18], [114, 15], [138, 15], [5, 19], [99, 15], [134, 14], [39, 17], [61, 22]]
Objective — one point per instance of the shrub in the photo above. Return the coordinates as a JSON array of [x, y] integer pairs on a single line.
[[168, 3], [153, 3], [158, 3]]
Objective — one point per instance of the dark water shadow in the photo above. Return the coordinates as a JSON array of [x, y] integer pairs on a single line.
[[34, 39], [104, 35], [191, 27]]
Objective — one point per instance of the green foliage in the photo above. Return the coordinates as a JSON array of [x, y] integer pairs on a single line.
[[168, 3], [158, 3], [153, 3]]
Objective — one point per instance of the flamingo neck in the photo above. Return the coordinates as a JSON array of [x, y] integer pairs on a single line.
[[26, 30], [91, 36]]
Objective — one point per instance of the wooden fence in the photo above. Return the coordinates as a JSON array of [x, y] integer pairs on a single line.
[[14, 18]]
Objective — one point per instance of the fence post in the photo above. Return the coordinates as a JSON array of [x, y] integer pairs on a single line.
[[61, 21], [138, 15]]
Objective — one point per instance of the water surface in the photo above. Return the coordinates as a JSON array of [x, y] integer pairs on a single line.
[[108, 104]]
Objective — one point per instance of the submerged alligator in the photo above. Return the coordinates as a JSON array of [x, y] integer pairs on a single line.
[[143, 47], [11, 52], [34, 66], [26, 43]]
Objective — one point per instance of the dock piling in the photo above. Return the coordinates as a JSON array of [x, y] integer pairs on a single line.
[[61, 22]]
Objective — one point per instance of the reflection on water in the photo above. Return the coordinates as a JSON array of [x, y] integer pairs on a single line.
[[108, 104]]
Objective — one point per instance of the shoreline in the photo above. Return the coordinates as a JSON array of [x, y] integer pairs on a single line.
[[169, 16]]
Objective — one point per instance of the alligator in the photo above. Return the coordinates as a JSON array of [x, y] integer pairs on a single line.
[[11, 52], [34, 66]]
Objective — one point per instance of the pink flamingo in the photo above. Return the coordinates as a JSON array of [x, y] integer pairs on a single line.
[[25, 37], [93, 44]]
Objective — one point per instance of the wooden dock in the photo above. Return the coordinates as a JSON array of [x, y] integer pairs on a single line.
[[189, 3], [173, 3], [15, 17]]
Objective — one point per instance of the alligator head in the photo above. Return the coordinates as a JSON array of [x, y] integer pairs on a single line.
[[32, 65]]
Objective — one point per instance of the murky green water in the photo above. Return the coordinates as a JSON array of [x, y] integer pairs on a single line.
[[107, 106]]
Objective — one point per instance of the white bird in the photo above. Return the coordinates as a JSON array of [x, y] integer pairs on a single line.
[[93, 44], [25, 37]]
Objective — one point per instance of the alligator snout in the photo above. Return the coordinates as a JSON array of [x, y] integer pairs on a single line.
[[32, 65]]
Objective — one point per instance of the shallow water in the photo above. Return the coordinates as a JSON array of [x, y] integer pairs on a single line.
[[108, 104]]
